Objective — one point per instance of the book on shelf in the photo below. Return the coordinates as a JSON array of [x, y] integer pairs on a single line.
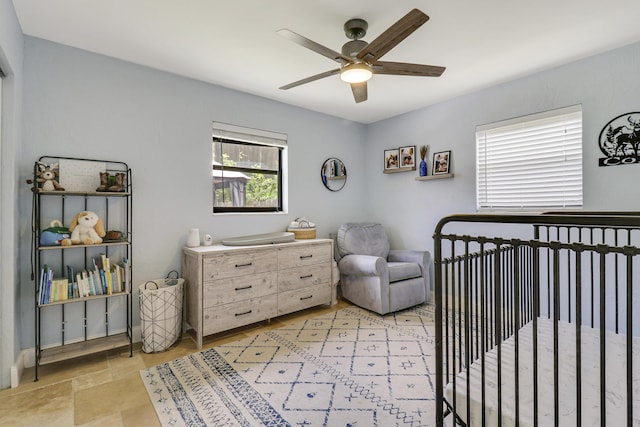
[[46, 274], [105, 278], [83, 283], [98, 278], [50, 289], [59, 290], [93, 290], [41, 290], [47, 285], [73, 286], [118, 277], [106, 267]]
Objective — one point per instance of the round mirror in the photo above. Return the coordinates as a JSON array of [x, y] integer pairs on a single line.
[[334, 174]]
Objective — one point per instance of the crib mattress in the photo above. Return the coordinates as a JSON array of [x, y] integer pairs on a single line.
[[616, 372]]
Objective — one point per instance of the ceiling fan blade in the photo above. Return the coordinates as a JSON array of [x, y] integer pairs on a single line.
[[359, 91], [316, 47], [405, 69], [393, 35], [311, 79]]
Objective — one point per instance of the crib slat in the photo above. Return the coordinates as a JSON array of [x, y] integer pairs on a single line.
[[483, 341], [468, 328], [578, 249], [555, 247], [603, 369], [516, 305], [536, 314], [438, 285], [629, 252]]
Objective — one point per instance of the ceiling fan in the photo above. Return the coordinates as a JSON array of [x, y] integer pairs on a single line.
[[359, 60]]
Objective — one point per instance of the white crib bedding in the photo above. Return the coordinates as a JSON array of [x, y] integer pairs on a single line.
[[616, 373]]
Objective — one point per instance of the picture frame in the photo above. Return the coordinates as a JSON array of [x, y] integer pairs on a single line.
[[441, 162], [391, 159], [408, 157], [80, 175]]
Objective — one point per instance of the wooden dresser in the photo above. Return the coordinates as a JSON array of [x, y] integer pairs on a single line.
[[232, 286]]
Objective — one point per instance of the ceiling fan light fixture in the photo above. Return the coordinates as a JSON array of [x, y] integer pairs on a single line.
[[356, 73]]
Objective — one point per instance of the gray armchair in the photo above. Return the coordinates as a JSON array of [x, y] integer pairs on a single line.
[[377, 278]]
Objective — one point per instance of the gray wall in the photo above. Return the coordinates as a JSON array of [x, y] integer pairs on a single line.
[[11, 55], [84, 105], [606, 85], [79, 104]]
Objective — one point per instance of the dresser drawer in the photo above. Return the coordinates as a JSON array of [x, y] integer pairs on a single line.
[[226, 265], [236, 289], [229, 316], [299, 256], [299, 299], [302, 277]]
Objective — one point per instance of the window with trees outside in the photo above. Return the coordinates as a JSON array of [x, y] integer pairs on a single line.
[[247, 170]]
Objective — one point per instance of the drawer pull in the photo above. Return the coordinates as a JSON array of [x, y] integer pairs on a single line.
[[306, 256], [304, 298], [242, 314], [244, 265], [243, 288], [307, 276]]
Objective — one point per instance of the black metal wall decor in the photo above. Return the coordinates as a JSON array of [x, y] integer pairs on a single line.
[[620, 140]]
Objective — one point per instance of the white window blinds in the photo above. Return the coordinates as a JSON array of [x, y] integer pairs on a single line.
[[531, 163]]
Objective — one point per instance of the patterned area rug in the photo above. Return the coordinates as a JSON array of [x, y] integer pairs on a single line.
[[346, 368]]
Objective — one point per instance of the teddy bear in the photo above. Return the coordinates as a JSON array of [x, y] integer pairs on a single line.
[[46, 177], [86, 229]]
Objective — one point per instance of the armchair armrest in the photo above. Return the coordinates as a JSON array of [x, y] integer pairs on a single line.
[[422, 258], [363, 265], [406, 255]]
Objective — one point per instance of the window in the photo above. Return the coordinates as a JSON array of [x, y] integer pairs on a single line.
[[530, 163], [247, 169]]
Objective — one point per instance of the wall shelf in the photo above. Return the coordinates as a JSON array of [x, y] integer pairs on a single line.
[[407, 169], [430, 177]]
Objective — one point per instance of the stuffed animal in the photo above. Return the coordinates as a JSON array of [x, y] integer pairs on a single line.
[[55, 234], [86, 229], [46, 177]]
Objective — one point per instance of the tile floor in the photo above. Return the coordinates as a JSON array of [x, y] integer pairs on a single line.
[[105, 389]]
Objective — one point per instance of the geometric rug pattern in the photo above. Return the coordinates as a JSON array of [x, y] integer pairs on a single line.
[[345, 368]]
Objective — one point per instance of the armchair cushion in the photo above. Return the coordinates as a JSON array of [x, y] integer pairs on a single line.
[[363, 239], [403, 270]]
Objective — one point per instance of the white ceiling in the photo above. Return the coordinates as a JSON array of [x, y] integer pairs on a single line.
[[233, 43]]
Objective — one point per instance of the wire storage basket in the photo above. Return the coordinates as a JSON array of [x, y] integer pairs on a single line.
[[161, 313]]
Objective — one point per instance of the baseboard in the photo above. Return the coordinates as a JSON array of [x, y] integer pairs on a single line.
[[26, 359]]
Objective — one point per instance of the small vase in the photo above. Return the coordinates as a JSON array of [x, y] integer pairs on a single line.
[[423, 168], [193, 238]]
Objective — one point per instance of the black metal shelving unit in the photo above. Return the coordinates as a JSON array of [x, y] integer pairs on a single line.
[[81, 334]]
